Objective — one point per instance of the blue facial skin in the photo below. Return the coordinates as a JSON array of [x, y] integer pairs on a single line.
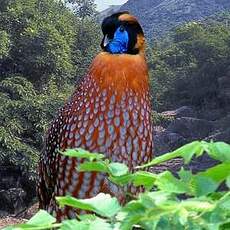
[[119, 43]]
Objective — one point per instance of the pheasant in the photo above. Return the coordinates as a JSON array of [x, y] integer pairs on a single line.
[[109, 112]]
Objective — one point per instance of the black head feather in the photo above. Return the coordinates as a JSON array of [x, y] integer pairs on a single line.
[[131, 25]]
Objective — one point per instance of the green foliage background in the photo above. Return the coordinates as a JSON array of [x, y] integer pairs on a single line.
[[45, 48], [187, 64]]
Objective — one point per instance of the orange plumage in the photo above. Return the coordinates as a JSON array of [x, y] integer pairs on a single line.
[[108, 113]]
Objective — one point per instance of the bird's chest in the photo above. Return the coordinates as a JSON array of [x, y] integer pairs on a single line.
[[115, 123]]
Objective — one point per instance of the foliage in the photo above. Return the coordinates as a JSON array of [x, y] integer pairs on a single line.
[[24, 116], [184, 201], [186, 67], [41, 35], [83, 8], [4, 44], [42, 54]]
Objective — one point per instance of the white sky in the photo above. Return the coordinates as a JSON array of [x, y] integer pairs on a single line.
[[103, 4]]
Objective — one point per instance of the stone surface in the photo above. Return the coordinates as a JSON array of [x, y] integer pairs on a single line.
[[185, 128], [184, 111], [17, 190], [191, 128], [12, 201], [167, 141]]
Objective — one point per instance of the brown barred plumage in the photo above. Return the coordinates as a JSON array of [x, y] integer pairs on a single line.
[[109, 113]]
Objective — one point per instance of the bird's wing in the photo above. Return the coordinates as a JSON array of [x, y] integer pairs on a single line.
[[48, 164]]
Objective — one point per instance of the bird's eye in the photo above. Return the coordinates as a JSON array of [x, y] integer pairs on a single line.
[[122, 28]]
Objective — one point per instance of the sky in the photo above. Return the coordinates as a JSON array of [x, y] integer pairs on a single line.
[[103, 4]]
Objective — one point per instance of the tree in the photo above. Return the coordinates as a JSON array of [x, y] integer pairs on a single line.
[[186, 71], [83, 8], [42, 34], [43, 49]]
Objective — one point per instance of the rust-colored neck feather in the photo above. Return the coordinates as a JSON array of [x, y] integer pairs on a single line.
[[120, 72]]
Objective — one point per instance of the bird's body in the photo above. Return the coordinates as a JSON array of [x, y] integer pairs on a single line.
[[108, 113]]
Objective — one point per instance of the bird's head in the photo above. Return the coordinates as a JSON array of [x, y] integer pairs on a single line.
[[122, 34]]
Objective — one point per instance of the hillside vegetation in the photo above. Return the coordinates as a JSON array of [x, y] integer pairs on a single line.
[[42, 54], [190, 65], [159, 16]]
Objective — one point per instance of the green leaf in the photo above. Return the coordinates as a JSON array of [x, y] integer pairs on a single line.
[[224, 203], [186, 151], [160, 197], [228, 182], [102, 204], [118, 169], [81, 153], [99, 166], [183, 216], [218, 173], [42, 218], [185, 175], [87, 224], [168, 183], [146, 179], [73, 225], [202, 185], [121, 180], [90, 217], [220, 151], [197, 205]]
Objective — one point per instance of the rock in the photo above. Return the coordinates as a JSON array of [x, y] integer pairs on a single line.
[[220, 136], [166, 141], [184, 111], [17, 190], [12, 200], [222, 124], [191, 128], [211, 114]]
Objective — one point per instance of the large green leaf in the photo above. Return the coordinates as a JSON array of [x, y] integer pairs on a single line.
[[218, 173], [87, 224], [81, 153], [98, 166], [146, 179], [102, 204], [118, 169], [220, 151], [42, 218], [168, 183], [202, 185], [73, 225], [186, 151]]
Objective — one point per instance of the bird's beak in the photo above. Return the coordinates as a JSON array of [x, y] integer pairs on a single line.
[[106, 40]]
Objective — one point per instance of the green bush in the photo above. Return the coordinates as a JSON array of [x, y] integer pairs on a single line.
[[44, 49], [185, 201], [186, 69], [24, 117]]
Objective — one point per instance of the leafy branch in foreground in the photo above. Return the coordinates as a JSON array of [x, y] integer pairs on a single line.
[[161, 206]]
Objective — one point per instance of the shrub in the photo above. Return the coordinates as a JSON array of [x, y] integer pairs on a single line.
[[184, 201]]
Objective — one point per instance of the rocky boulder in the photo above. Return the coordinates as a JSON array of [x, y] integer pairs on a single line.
[[184, 111], [188, 125], [191, 128], [17, 190]]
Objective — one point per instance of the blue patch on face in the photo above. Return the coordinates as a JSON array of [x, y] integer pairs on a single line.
[[119, 43]]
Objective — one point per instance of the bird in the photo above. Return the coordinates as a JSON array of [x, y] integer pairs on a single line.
[[109, 113]]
